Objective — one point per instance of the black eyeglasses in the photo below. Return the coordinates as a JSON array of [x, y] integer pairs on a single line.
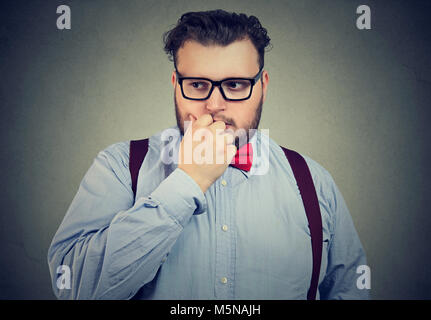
[[232, 89]]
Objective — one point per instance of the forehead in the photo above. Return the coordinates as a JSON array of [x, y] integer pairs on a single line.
[[238, 59]]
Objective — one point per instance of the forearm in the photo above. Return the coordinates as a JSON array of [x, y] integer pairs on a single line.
[[115, 260]]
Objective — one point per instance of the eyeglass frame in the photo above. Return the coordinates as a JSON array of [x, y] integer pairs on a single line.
[[214, 84]]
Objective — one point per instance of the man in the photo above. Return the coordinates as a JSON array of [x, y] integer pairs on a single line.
[[206, 229]]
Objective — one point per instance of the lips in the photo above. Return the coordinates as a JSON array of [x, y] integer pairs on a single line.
[[225, 122]]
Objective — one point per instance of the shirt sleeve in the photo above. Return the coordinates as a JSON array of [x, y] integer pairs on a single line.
[[112, 246], [346, 256]]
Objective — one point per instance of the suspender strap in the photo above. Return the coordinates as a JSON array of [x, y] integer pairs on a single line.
[[139, 148], [138, 151], [309, 198]]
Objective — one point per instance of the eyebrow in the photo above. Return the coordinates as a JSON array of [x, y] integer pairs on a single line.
[[230, 77]]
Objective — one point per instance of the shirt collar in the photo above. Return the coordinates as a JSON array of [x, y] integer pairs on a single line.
[[260, 164]]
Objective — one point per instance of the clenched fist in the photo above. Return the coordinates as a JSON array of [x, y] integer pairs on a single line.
[[215, 141]]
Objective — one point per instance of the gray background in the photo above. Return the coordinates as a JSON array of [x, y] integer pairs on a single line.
[[355, 101]]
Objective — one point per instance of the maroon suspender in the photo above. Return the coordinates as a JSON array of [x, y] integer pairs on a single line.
[[138, 151], [139, 148], [311, 204]]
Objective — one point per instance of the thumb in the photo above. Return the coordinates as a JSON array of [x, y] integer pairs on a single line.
[[188, 123]]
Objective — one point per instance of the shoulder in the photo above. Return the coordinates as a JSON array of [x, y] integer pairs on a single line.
[[323, 181], [114, 160], [116, 154], [321, 177]]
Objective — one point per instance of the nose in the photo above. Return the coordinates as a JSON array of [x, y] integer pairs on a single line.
[[216, 101]]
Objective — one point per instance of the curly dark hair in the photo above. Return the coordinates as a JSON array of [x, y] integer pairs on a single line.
[[215, 27]]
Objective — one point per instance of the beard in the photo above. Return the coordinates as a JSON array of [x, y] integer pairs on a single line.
[[240, 139]]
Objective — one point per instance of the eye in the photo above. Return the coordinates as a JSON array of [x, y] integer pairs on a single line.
[[199, 85], [236, 85]]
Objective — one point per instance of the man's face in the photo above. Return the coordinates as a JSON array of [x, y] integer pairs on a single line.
[[239, 59]]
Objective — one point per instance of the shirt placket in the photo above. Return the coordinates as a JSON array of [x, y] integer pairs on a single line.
[[225, 240]]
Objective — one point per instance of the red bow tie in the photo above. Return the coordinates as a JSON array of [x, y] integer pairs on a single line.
[[243, 158]]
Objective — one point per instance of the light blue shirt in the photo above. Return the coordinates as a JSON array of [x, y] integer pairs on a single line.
[[246, 237]]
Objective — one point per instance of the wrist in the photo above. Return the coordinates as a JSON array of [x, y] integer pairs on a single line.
[[203, 182]]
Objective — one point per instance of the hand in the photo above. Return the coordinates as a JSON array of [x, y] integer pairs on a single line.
[[207, 168]]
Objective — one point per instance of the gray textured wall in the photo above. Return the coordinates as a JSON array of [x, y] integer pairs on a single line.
[[355, 101]]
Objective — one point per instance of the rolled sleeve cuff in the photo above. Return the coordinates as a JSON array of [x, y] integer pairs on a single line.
[[180, 195]]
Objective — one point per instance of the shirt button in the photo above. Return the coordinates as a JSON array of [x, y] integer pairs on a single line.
[[224, 227], [223, 280], [223, 182]]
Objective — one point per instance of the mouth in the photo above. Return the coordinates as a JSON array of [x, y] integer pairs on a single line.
[[225, 122], [228, 126]]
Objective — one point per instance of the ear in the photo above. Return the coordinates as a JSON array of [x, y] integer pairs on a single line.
[[265, 81], [174, 78]]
